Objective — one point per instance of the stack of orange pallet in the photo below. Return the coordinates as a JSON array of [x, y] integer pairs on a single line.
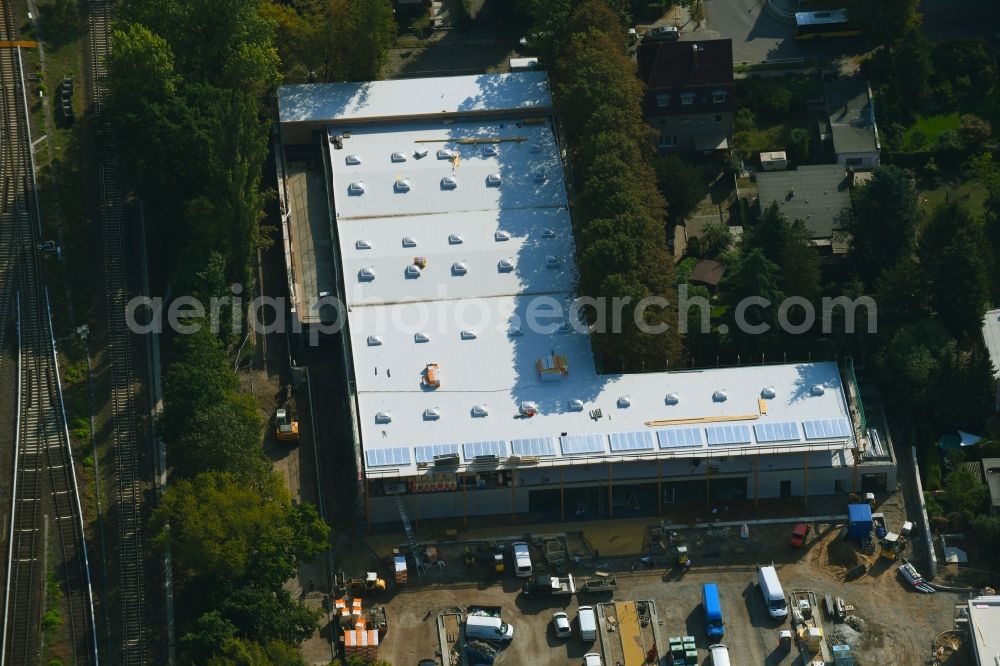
[[361, 642]]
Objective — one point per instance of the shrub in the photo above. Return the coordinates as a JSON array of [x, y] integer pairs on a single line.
[[51, 619], [798, 145]]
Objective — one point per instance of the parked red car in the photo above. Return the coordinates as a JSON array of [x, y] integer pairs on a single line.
[[799, 535]]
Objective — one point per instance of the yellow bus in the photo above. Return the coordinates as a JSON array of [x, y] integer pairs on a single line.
[[820, 25]]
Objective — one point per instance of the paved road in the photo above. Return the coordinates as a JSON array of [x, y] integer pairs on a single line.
[[757, 36]]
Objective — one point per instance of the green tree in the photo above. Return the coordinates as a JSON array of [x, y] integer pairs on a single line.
[[681, 185], [965, 495], [884, 223], [225, 436], [910, 70], [209, 634], [619, 212], [754, 277], [954, 255], [883, 21], [270, 615], [716, 240], [901, 294], [373, 32], [224, 532], [798, 145], [789, 246], [966, 66], [909, 363], [243, 652]]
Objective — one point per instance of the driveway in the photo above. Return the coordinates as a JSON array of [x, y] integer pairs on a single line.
[[759, 36]]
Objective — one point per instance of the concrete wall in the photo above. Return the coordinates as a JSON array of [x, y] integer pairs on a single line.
[[869, 160]]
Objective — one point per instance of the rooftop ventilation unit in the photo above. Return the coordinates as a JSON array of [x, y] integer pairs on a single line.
[[366, 274], [402, 185], [768, 392], [356, 188], [673, 398], [493, 180], [383, 417], [409, 241], [480, 410], [420, 153], [721, 395], [449, 183], [399, 157], [421, 337], [552, 261], [514, 330], [486, 459], [489, 150], [528, 408], [432, 414], [624, 401], [468, 334], [548, 233], [447, 460], [818, 389], [444, 154], [459, 268], [576, 405], [374, 341], [363, 245], [413, 271], [501, 236], [353, 160], [454, 239], [539, 176], [505, 265]]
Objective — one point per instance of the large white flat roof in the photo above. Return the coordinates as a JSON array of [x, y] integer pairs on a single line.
[[410, 98], [984, 626], [503, 230], [492, 298]]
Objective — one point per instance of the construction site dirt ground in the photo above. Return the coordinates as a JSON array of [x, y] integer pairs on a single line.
[[891, 624]]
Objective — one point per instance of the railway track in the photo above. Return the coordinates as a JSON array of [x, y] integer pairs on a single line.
[[46, 538], [124, 385]]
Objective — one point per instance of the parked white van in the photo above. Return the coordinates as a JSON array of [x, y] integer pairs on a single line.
[[489, 628], [522, 560], [588, 624], [720, 654], [770, 589]]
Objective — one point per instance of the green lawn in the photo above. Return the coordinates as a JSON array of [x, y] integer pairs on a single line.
[[971, 193], [930, 127]]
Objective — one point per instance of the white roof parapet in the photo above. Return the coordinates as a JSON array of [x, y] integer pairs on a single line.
[[402, 99]]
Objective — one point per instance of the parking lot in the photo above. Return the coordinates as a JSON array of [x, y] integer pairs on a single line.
[[889, 623]]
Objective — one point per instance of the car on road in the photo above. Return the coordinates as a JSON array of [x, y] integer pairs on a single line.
[[799, 535], [662, 33], [561, 625]]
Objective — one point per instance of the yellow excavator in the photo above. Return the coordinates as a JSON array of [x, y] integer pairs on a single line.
[[286, 428]]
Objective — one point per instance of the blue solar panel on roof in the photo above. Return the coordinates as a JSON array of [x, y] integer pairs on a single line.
[[728, 434], [388, 457], [780, 431], [827, 428], [639, 440], [679, 438], [588, 443], [533, 446], [493, 447], [426, 452]]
